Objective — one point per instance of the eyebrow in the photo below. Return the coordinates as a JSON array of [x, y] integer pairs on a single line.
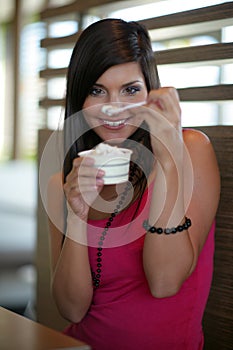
[[132, 82], [124, 85]]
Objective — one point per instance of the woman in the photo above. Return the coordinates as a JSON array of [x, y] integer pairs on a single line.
[[146, 285]]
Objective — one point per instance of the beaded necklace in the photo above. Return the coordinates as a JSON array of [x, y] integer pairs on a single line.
[[96, 275]]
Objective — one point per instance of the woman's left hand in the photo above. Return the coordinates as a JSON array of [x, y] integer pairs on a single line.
[[163, 116], [166, 102]]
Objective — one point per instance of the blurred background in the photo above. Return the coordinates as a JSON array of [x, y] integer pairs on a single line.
[[36, 39]]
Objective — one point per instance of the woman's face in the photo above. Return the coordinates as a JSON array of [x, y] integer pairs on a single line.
[[119, 85]]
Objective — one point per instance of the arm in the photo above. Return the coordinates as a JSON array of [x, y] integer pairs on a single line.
[[71, 275], [170, 259]]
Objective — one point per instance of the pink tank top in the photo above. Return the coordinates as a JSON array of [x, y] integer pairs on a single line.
[[123, 314]]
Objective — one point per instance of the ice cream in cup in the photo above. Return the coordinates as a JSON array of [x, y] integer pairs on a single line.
[[113, 160]]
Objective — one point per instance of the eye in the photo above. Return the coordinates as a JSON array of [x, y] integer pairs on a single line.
[[132, 90], [96, 91]]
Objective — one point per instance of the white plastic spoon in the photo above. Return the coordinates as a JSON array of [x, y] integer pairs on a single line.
[[111, 110]]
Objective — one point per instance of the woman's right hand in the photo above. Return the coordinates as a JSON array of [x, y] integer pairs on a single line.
[[82, 185]]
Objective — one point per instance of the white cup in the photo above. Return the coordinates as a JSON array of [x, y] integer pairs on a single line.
[[114, 164]]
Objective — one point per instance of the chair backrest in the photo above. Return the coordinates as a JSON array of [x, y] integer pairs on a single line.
[[46, 310], [218, 317]]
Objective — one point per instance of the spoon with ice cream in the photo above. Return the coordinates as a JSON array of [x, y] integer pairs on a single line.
[[110, 110]]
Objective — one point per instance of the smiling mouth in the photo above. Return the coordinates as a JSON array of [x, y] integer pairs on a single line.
[[115, 123]]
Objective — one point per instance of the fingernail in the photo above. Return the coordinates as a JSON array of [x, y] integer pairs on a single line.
[[100, 173]]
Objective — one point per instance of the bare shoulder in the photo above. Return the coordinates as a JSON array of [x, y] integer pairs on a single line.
[[199, 146], [194, 137], [200, 149]]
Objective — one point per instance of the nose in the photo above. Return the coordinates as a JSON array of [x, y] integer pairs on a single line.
[[114, 97]]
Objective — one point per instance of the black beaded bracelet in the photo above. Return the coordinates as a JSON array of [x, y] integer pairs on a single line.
[[167, 231]]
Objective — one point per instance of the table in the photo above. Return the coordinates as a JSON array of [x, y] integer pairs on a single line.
[[20, 333]]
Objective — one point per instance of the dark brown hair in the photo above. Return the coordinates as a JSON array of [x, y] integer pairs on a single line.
[[104, 44]]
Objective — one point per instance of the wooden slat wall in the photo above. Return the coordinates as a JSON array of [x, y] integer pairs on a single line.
[[217, 16], [78, 7], [206, 14], [207, 93], [214, 52]]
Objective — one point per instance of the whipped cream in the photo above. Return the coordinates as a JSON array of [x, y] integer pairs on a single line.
[[105, 149], [110, 110]]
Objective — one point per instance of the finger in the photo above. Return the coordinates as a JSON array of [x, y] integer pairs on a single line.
[[86, 193], [84, 167], [85, 161], [90, 172], [166, 98], [83, 183]]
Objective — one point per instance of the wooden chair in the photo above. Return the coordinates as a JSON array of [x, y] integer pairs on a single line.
[[46, 310], [218, 317]]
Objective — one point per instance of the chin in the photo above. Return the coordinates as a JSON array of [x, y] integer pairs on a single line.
[[115, 142]]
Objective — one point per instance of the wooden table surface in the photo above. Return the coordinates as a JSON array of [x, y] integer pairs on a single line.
[[20, 333]]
